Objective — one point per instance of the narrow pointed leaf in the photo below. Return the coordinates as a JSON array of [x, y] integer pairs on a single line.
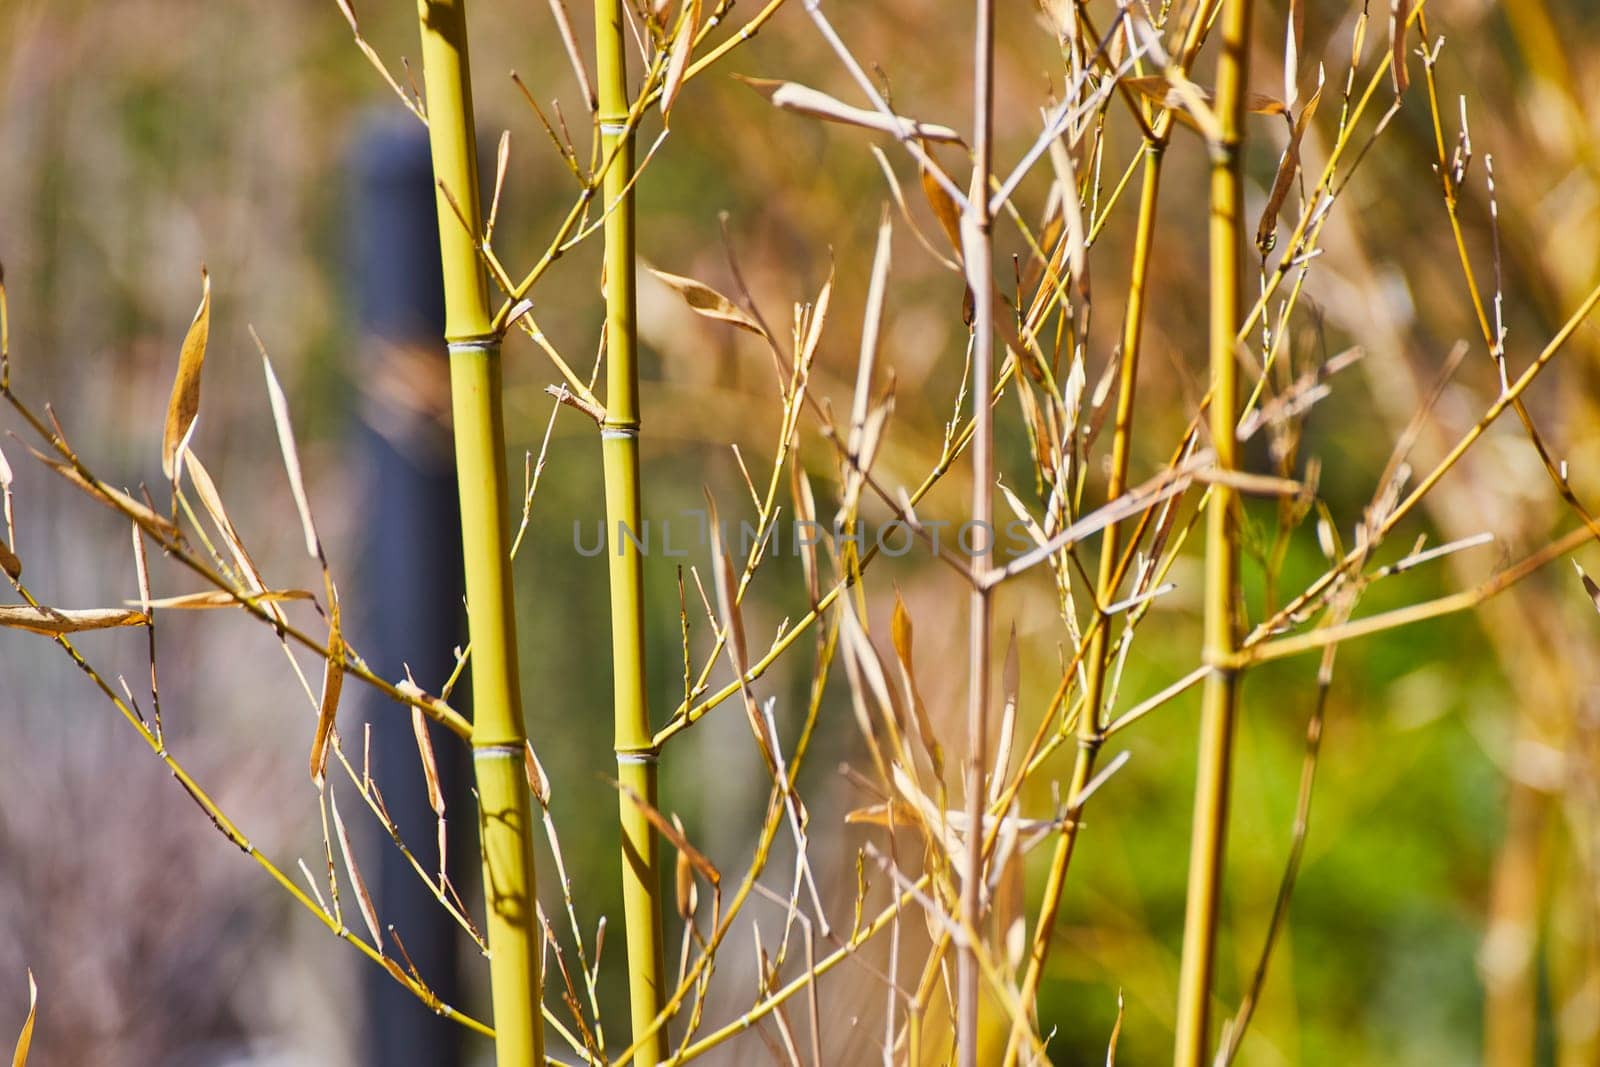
[[185, 402], [803, 100], [19, 1058], [704, 300], [54, 621]]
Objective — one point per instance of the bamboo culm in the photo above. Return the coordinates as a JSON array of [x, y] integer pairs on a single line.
[[1219, 702], [635, 748], [498, 733]]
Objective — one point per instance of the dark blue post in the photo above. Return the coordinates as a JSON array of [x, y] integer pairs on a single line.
[[410, 570]]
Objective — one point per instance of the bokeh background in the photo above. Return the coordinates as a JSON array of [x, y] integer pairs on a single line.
[[1447, 910]]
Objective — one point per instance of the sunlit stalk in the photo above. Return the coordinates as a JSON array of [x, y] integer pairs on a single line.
[[1220, 699], [635, 749], [497, 730]]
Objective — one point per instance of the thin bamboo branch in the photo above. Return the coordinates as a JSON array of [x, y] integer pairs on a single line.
[[498, 734], [1220, 699]]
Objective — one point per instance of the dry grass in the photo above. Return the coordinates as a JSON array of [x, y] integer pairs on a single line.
[[1343, 477]]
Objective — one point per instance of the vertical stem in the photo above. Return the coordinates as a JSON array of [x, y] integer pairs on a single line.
[[1089, 719], [1089, 737], [1220, 699], [980, 270], [497, 730], [636, 755]]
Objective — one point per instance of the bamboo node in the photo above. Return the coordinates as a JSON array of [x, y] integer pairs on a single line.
[[473, 344]]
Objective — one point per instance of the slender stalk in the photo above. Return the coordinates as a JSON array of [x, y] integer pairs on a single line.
[[497, 729], [1090, 736], [1220, 699], [1091, 731], [980, 270], [635, 748]]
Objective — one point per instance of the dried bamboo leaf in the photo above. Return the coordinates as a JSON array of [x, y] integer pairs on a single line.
[[678, 58], [332, 683], [1288, 167], [54, 621], [291, 455], [116, 499], [873, 318], [184, 404], [706, 301], [1294, 27], [943, 205], [1010, 680], [1160, 90], [212, 500], [1399, 16], [538, 781], [222, 598], [569, 41], [683, 878], [733, 623], [802, 100], [430, 765], [674, 836], [9, 563], [363, 898], [1072, 214], [1589, 585], [819, 316], [901, 630], [19, 1058]]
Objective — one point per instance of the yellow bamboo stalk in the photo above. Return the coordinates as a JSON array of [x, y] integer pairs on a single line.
[[1090, 736], [498, 734], [1090, 733], [1220, 699], [635, 746]]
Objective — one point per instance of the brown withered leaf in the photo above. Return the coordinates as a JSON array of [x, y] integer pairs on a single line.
[[733, 623], [185, 402], [116, 499], [368, 913], [538, 781], [430, 765], [332, 683], [212, 500], [55, 621], [1288, 167], [1399, 16], [675, 838], [900, 630], [221, 598], [943, 205], [291, 455], [683, 877], [1159, 90], [704, 300], [9, 563], [678, 59], [803, 100]]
